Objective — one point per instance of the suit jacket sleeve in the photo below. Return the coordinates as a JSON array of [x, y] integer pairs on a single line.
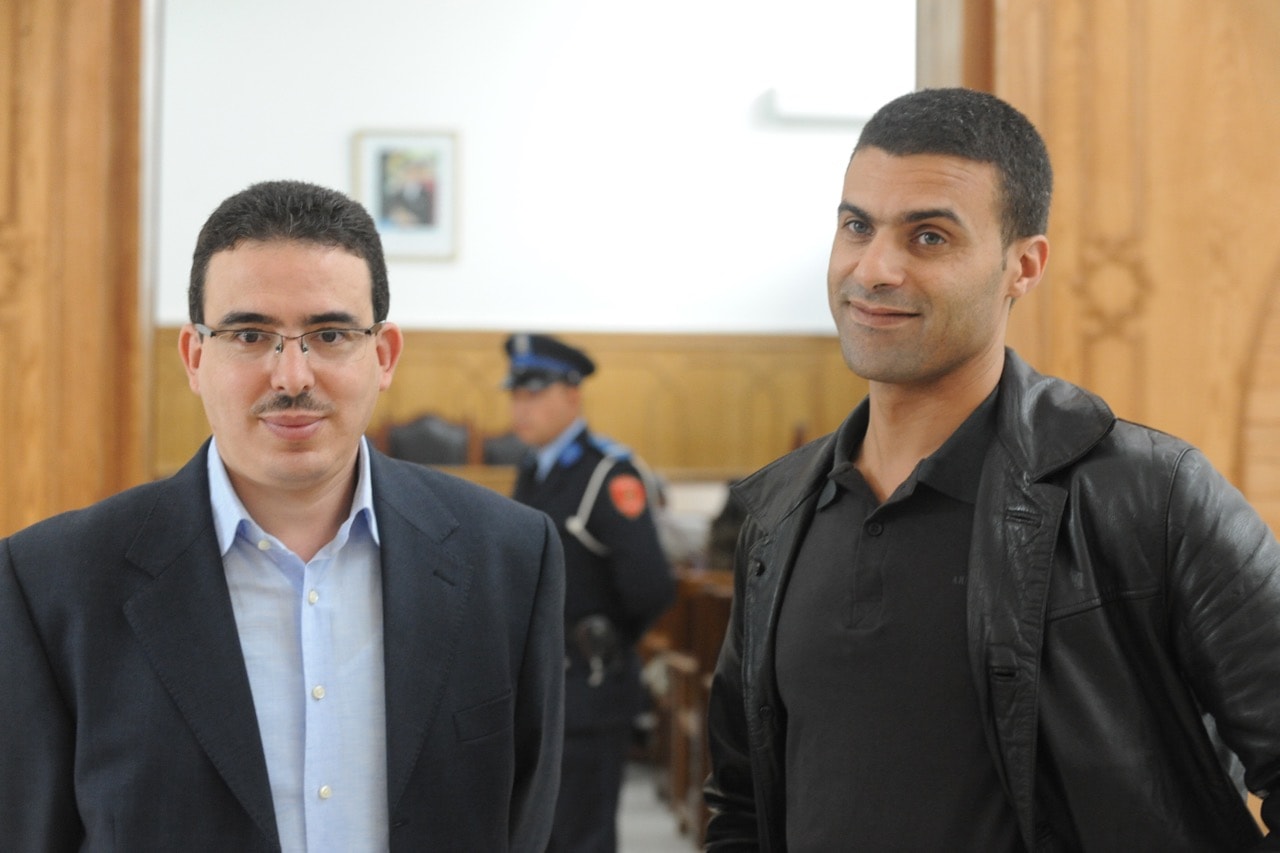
[[37, 798], [540, 714]]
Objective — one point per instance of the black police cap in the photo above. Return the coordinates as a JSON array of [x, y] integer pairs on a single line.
[[541, 360]]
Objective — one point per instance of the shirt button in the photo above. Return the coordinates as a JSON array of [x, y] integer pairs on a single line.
[[313, 597], [325, 792], [874, 528], [264, 545], [317, 692]]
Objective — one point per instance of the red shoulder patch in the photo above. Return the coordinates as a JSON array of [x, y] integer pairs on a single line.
[[627, 493]]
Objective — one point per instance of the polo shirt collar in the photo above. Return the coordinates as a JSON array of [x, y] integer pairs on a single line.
[[953, 469]]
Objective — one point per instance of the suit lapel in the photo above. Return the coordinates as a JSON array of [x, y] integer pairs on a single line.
[[424, 589], [185, 623]]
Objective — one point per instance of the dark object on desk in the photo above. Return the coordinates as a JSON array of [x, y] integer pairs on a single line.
[[504, 449], [429, 440]]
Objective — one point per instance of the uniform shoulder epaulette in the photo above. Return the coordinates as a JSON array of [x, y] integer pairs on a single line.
[[613, 452], [610, 448]]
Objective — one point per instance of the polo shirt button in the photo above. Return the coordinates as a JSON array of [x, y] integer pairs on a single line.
[[874, 528], [325, 792]]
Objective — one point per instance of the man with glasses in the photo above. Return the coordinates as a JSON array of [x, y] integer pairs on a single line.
[[295, 643]]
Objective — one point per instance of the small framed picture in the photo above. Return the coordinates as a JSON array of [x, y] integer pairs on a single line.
[[408, 182]]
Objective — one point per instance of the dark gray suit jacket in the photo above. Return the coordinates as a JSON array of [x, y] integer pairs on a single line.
[[126, 719]]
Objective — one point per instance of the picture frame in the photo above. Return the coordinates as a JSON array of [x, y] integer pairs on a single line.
[[407, 180]]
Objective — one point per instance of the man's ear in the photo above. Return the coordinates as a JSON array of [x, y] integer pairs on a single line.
[[389, 343], [191, 349], [1031, 256]]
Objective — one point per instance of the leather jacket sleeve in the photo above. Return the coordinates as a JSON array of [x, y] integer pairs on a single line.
[[730, 790], [1224, 601]]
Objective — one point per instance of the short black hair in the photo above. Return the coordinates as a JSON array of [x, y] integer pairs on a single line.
[[290, 210], [976, 126]]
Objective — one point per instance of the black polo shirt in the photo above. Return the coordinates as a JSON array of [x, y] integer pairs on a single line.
[[885, 749]]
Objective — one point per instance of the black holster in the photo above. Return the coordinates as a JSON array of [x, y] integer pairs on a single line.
[[596, 640]]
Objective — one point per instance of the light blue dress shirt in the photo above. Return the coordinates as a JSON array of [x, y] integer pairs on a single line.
[[311, 634], [549, 453]]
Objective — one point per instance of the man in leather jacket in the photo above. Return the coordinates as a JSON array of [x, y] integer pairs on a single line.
[[985, 614]]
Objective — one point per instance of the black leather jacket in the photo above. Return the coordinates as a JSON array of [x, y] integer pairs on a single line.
[[1120, 589]]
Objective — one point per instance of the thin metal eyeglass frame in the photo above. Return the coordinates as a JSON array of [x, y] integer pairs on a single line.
[[282, 339]]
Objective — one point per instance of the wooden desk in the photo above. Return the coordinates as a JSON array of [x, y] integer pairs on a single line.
[[500, 478]]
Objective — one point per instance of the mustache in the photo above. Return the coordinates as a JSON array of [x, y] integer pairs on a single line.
[[303, 402]]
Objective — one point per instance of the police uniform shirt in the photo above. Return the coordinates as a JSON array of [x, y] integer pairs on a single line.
[[885, 749], [631, 585]]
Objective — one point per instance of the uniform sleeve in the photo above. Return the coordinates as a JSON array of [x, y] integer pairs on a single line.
[[623, 520], [1224, 601], [540, 713], [37, 795]]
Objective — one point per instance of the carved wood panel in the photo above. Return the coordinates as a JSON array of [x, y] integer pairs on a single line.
[[1161, 117]]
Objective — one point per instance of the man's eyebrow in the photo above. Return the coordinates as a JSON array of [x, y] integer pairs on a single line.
[[908, 218], [932, 213], [332, 317], [244, 318]]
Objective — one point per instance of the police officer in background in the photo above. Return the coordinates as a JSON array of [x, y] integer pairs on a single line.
[[618, 581]]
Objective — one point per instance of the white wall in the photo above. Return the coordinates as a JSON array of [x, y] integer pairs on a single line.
[[622, 168]]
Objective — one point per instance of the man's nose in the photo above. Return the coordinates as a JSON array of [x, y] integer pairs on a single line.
[[880, 264], [291, 370]]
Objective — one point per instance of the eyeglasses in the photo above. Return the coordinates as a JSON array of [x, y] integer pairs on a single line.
[[332, 346]]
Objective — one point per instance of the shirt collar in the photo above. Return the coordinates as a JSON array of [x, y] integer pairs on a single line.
[[230, 516], [953, 469], [956, 467], [549, 453], [849, 439]]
